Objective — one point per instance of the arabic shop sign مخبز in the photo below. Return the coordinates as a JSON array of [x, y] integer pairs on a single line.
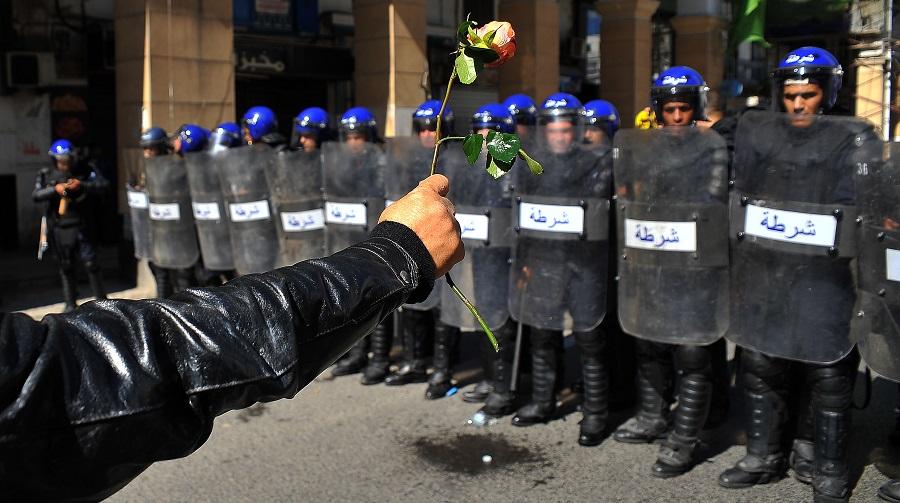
[[259, 61]]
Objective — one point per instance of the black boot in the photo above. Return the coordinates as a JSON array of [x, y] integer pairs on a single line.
[[353, 361], [802, 460], [440, 381], [380, 344], [676, 454], [595, 386], [164, 286], [831, 477], [417, 330], [93, 271], [651, 421], [890, 491], [69, 289], [764, 461], [544, 351], [499, 402], [484, 387]]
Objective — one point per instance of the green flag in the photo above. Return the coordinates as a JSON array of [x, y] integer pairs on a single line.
[[750, 23]]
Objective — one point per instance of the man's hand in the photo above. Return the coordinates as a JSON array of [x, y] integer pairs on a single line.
[[430, 215], [73, 184], [60, 188]]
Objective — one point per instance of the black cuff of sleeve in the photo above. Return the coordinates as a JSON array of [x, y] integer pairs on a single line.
[[410, 242]]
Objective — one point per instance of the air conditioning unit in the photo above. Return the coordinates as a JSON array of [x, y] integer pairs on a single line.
[[30, 69]]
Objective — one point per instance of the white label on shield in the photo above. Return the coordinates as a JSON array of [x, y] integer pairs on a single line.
[[345, 213], [169, 211], [473, 226], [299, 221], [661, 236], [790, 226], [551, 218], [248, 212], [138, 200], [206, 211], [893, 264]]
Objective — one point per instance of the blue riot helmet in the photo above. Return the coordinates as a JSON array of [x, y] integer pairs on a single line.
[[808, 65], [61, 149], [313, 120], [258, 122], [359, 120], [425, 117], [225, 135], [493, 116], [522, 108], [679, 83], [191, 138], [560, 106], [602, 114], [155, 137]]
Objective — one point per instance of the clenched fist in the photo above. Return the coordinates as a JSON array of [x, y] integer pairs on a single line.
[[430, 215]]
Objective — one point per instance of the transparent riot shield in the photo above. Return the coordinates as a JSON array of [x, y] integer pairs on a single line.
[[254, 240], [354, 193], [408, 163], [672, 218], [561, 257], [483, 209], [138, 207], [793, 233], [876, 321], [173, 240], [295, 184], [209, 210]]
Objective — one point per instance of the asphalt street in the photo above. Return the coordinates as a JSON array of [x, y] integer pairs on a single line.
[[341, 441]]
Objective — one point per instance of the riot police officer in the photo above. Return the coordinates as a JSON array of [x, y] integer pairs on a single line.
[[259, 125], [354, 191], [798, 166], [484, 212], [601, 121], [174, 250], [154, 142], [310, 129], [216, 264], [524, 113], [673, 267], [409, 161], [69, 190], [560, 263]]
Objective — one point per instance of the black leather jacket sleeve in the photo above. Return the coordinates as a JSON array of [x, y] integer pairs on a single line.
[[90, 399]]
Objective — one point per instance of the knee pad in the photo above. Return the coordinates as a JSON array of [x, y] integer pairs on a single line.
[[693, 359], [832, 386], [591, 342]]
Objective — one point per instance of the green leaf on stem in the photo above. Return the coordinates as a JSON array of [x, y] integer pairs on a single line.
[[534, 166], [496, 167], [472, 147], [465, 69], [482, 55], [504, 146]]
